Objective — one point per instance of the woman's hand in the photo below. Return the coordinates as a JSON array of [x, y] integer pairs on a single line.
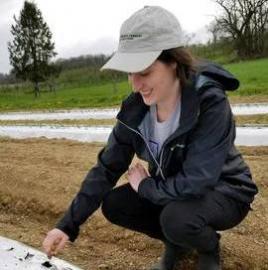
[[135, 175], [54, 242]]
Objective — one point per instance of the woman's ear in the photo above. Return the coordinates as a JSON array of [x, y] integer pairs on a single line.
[[174, 65], [174, 68]]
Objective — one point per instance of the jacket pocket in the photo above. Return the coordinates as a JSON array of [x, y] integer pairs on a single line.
[[174, 158]]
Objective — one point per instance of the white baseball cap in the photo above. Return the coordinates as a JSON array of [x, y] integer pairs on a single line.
[[143, 36]]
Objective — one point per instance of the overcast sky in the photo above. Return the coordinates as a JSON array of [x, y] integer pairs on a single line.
[[90, 27]]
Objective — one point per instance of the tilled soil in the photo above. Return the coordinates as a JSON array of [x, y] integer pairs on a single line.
[[39, 177]]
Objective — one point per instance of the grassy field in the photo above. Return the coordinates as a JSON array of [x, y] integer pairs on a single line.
[[82, 97], [252, 74]]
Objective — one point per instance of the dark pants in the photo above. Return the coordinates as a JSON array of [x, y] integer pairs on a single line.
[[190, 223]]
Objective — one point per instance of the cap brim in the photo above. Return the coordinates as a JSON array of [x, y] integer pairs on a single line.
[[131, 62]]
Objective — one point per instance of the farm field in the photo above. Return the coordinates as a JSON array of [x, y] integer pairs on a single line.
[[39, 177], [99, 94]]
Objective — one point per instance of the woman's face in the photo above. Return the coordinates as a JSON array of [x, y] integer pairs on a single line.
[[156, 83]]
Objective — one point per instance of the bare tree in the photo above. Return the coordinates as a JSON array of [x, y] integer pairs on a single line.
[[245, 21], [215, 30]]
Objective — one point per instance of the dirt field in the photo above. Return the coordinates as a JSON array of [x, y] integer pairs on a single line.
[[260, 119], [38, 178]]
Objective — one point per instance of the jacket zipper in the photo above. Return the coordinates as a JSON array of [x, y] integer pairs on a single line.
[[177, 145], [160, 164], [159, 169], [172, 148]]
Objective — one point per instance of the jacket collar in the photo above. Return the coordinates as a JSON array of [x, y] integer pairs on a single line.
[[189, 105], [133, 110]]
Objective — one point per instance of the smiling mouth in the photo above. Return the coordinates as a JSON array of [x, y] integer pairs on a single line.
[[146, 93]]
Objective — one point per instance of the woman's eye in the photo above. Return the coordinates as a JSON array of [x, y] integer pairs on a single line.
[[144, 74]]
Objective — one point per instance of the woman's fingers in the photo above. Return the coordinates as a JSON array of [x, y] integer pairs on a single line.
[[60, 245], [142, 169], [130, 170], [48, 244], [137, 167], [54, 242]]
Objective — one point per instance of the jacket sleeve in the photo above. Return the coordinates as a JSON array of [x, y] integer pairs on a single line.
[[206, 152], [113, 160]]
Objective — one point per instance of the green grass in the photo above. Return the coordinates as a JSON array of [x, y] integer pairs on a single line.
[[253, 76], [221, 53], [82, 97]]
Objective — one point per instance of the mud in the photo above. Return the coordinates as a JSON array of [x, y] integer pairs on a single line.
[[38, 178]]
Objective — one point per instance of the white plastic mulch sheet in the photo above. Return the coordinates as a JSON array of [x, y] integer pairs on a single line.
[[61, 114], [17, 256], [248, 136], [250, 109], [238, 109], [83, 134]]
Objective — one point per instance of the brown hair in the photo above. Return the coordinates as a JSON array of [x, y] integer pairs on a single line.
[[184, 59]]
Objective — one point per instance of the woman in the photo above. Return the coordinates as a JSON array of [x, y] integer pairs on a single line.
[[177, 119]]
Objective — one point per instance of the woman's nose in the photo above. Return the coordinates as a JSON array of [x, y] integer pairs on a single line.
[[136, 81]]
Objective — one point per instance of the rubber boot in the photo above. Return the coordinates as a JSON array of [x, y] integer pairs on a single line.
[[210, 260], [172, 254]]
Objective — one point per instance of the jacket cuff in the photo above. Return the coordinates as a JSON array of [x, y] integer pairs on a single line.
[[142, 187], [72, 233]]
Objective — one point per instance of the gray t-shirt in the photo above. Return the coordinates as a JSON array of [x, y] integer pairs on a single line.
[[160, 131]]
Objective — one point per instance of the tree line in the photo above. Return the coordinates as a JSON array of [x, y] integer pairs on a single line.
[[245, 24], [241, 27]]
